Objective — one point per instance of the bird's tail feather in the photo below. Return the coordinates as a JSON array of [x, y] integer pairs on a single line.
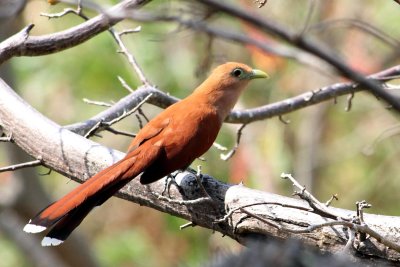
[[84, 197], [68, 212], [70, 221]]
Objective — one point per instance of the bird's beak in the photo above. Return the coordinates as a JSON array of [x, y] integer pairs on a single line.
[[255, 74]]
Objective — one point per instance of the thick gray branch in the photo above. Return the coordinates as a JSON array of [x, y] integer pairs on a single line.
[[24, 45], [79, 158]]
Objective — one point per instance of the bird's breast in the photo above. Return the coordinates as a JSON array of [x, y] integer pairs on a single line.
[[191, 134]]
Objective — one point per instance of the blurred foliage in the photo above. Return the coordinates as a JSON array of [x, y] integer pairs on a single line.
[[346, 158], [9, 254]]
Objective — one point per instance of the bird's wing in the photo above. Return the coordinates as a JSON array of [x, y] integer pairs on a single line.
[[150, 130]]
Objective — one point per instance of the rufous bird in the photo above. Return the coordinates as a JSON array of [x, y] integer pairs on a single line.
[[169, 142]]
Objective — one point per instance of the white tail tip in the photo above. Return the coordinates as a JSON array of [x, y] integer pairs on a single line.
[[33, 228], [49, 241]]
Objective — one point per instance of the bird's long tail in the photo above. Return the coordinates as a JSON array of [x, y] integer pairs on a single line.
[[69, 211]]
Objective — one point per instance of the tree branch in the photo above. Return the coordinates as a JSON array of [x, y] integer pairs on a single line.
[[280, 108], [24, 45], [308, 45], [79, 158]]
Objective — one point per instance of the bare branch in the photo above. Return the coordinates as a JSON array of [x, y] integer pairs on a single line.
[[131, 59], [311, 7], [232, 152], [125, 85], [105, 125], [220, 147], [349, 102], [312, 201], [261, 3], [119, 132], [79, 158], [182, 202], [24, 45], [362, 25], [97, 103], [229, 214], [329, 201], [114, 33], [308, 45], [276, 48], [32, 163], [126, 114], [284, 121], [163, 100]]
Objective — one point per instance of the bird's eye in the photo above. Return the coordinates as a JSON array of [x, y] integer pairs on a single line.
[[237, 72]]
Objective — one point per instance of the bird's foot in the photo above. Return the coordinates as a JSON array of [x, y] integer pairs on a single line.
[[169, 180], [199, 178]]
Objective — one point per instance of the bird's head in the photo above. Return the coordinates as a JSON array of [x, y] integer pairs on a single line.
[[232, 75], [223, 87]]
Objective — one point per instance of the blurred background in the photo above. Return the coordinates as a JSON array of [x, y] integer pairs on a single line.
[[351, 153]]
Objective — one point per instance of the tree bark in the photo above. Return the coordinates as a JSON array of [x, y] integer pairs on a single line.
[[79, 158]]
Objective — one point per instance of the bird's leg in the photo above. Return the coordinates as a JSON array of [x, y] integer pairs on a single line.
[[199, 178], [169, 180]]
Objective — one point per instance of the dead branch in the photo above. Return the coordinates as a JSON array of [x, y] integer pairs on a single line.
[[288, 105], [276, 48], [306, 44], [79, 158], [232, 152], [22, 44], [14, 167]]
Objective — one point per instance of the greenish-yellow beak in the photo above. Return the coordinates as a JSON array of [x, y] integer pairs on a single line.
[[255, 74]]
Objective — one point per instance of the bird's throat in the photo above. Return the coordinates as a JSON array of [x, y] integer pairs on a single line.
[[221, 99]]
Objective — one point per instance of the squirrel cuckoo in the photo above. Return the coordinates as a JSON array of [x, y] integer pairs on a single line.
[[170, 141]]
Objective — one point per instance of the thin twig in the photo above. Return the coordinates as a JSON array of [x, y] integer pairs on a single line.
[[350, 98], [105, 125], [199, 178], [219, 147], [125, 85], [310, 11], [139, 121], [114, 131], [387, 133], [362, 25], [140, 111], [312, 201], [261, 3], [126, 114], [350, 241], [28, 164], [233, 150], [63, 13], [182, 202], [114, 33], [97, 103], [361, 205], [129, 31], [132, 61], [230, 213], [329, 201], [283, 120], [359, 228], [7, 138], [92, 131], [186, 225]]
